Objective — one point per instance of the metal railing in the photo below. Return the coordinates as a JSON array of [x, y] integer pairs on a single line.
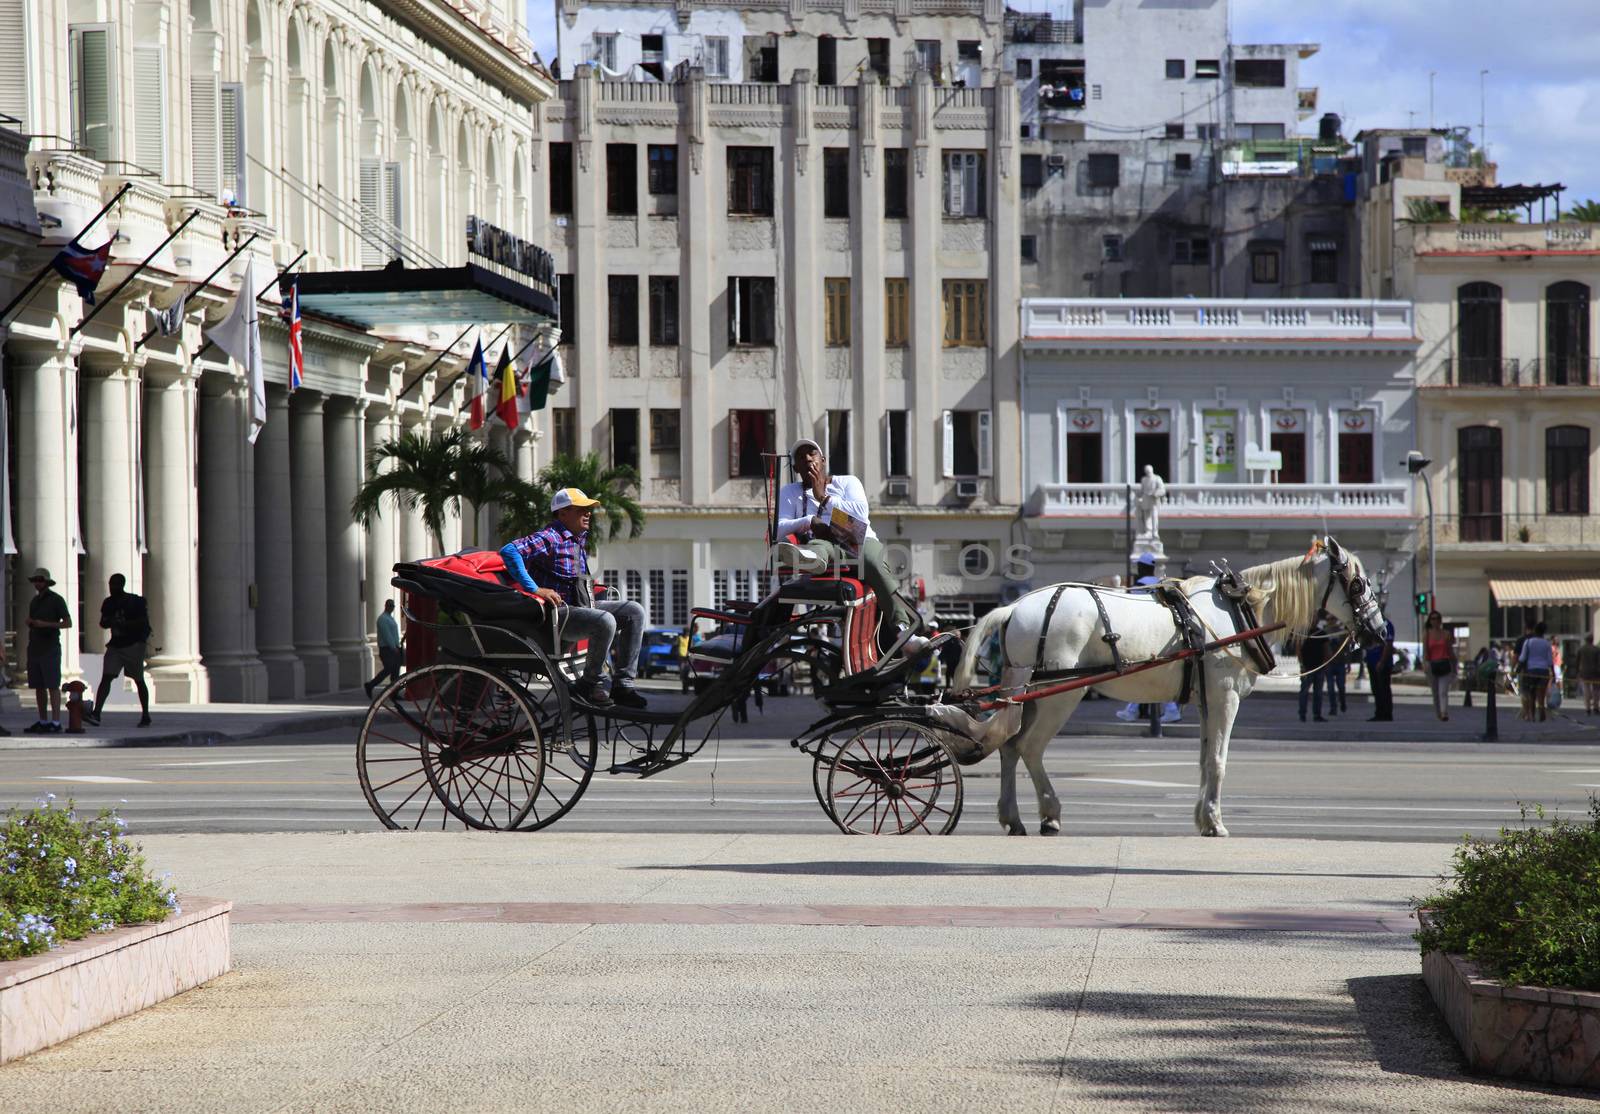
[[1500, 371], [1031, 27], [1229, 500], [1578, 530]]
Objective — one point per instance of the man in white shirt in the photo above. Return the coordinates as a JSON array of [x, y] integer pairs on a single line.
[[804, 510]]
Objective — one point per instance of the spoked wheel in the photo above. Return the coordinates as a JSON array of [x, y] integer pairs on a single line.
[[479, 742], [571, 746], [390, 756], [892, 777]]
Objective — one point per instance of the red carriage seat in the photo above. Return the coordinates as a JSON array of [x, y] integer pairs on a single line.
[[858, 607]]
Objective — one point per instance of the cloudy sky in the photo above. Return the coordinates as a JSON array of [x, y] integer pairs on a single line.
[[1543, 87]]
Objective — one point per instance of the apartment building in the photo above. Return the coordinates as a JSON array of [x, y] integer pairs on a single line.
[[332, 137], [793, 244], [1203, 391], [1508, 389]]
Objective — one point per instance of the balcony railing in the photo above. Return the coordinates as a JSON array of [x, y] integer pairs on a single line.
[[1284, 319], [1029, 27], [1202, 501], [1448, 236], [1497, 371], [1578, 530]]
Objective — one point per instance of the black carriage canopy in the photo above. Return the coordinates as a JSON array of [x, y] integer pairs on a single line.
[[506, 280]]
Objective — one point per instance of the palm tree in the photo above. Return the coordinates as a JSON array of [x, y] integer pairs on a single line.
[[613, 487], [1425, 210], [434, 473], [1584, 211]]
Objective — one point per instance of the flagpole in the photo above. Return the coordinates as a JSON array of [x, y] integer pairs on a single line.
[[111, 297], [26, 291], [446, 388], [254, 236], [407, 388], [206, 347]]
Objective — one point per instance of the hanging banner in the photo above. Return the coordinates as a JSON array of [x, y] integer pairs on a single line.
[[1219, 435]]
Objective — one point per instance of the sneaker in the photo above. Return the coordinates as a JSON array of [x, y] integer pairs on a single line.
[[628, 696], [368, 687], [53, 727], [591, 692], [1172, 716], [91, 718], [1128, 716], [144, 720], [800, 559], [37, 727]]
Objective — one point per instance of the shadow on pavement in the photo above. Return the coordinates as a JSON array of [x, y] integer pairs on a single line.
[[852, 868]]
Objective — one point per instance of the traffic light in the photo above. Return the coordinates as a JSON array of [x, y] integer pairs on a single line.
[[1423, 603]]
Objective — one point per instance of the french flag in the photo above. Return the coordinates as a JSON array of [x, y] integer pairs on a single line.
[[82, 267], [297, 358]]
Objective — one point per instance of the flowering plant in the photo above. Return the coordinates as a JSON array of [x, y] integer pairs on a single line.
[[62, 878]]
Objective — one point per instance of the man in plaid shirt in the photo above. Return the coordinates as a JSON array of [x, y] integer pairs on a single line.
[[553, 564]]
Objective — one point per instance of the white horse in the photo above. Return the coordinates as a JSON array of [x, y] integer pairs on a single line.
[[1293, 592]]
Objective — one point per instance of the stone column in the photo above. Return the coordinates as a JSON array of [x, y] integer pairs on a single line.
[[342, 472], [309, 510], [274, 554], [228, 544], [46, 496], [383, 536], [172, 524], [701, 226], [108, 415]]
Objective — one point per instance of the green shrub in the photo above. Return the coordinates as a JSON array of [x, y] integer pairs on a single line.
[[62, 878], [1525, 907]]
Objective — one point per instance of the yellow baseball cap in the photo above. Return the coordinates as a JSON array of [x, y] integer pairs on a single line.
[[571, 497]]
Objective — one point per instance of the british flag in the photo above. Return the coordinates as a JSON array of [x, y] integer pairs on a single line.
[[291, 314]]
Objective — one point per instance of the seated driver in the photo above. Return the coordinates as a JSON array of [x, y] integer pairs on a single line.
[[804, 508], [553, 564]]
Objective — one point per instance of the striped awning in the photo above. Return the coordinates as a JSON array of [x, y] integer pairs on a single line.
[[1521, 591]]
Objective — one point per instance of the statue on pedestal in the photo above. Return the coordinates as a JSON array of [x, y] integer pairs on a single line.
[[1147, 522]]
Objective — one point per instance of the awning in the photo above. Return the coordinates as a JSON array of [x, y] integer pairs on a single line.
[[458, 296], [1522, 591]]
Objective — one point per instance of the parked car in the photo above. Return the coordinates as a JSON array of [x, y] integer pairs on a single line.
[[658, 653], [696, 672]]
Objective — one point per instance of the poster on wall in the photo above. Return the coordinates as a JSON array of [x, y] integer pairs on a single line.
[[1220, 438]]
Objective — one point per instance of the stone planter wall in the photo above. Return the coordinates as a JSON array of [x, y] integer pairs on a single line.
[[1519, 1032], [47, 998]]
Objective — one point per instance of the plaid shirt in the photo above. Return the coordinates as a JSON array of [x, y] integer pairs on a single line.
[[556, 558]]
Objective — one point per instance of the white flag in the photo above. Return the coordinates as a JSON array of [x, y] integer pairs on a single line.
[[239, 335], [558, 374]]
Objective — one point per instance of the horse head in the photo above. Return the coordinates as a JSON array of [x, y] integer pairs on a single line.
[[1354, 604]]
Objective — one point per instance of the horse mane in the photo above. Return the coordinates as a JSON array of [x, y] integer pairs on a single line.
[[1291, 584]]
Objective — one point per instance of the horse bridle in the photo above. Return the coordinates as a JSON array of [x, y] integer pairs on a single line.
[[1357, 593]]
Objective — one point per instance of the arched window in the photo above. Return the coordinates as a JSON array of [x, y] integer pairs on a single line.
[[434, 177], [1566, 335], [376, 236], [333, 181], [1478, 334], [249, 109], [1566, 469], [464, 177], [1478, 456], [294, 137]]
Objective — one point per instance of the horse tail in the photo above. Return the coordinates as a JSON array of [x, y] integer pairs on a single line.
[[976, 638]]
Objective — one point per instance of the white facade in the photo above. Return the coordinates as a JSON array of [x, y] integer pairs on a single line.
[[350, 132], [1195, 388]]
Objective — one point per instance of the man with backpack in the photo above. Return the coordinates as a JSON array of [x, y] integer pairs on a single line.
[[127, 617]]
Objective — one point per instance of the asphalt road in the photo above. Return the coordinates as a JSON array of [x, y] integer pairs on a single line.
[[750, 780]]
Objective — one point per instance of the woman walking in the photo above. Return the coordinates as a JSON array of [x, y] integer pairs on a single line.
[[1538, 666], [1439, 651]]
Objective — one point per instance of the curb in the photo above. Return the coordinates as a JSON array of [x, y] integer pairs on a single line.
[[200, 737], [1191, 730]]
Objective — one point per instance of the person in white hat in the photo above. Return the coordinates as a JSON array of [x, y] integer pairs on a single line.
[[804, 510], [553, 564]]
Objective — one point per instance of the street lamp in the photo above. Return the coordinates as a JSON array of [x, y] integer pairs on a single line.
[[1415, 464]]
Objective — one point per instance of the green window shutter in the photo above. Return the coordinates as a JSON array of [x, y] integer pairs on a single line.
[[232, 136], [150, 122], [91, 91], [203, 113], [14, 62]]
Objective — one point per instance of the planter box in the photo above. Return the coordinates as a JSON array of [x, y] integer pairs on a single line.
[[1519, 1032], [44, 999]]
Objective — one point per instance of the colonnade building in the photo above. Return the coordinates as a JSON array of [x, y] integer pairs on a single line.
[[329, 136]]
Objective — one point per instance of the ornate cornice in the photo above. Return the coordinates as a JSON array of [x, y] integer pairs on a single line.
[[485, 56]]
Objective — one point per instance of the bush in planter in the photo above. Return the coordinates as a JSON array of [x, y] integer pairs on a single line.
[[62, 878], [1525, 907]]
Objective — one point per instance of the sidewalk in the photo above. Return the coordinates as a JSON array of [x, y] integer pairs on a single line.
[[482, 972], [195, 724]]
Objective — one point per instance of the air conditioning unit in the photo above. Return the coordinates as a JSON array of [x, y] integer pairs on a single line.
[[1057, 164], [966, 489], [899, 488]]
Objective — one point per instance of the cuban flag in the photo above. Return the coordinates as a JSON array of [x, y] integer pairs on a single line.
[[478, 384], [297, 358], [82, 267]]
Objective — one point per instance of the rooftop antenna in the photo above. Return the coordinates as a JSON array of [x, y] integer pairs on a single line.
[[1431, 75], [1483, 115]]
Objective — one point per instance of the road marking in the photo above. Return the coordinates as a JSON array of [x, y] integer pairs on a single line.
[[94, 779], [223, 762], [1132, 781], [1109, 765]]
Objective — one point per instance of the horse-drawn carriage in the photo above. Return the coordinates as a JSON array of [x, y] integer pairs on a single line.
[[491, 735]]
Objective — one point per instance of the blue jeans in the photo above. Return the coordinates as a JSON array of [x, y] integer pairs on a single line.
[[601, 624], [1311, 682]]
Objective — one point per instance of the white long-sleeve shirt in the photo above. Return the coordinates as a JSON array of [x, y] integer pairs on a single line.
[[797, 505]]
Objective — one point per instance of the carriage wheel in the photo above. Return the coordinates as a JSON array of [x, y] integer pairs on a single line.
[[480, 743], [892, 777], [389, 756], [571, 748]]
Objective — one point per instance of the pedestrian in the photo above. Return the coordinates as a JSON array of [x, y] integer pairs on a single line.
[[761, 705], [1380, 668], [1313, 654], [1587, 664], [741, 710], [389, 653], [1439, 651], [47, 618], [1538, 666], [1338, 662], [127, 617], [1144, 571]]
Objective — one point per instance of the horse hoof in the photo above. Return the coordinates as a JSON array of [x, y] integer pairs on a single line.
[[1218, 831], [1050, 828], [1016, 830]]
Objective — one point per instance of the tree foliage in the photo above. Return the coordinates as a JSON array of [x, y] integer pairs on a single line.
[[433, 473], [619, 513]]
